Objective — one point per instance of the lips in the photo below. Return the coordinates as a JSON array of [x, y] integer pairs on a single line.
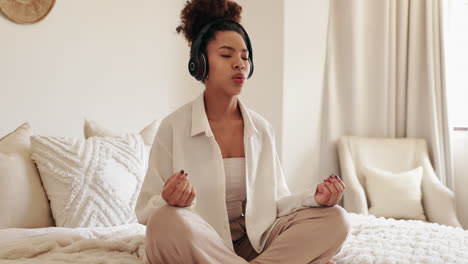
[[238, 80], [239, 76]]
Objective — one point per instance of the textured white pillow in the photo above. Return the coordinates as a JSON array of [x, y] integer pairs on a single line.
[[93, 129], [91, 182], [394, 195]]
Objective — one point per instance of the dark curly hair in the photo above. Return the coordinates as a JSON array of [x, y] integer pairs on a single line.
[[197, 13]]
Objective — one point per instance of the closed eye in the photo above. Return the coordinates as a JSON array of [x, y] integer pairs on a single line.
[[229, 56]]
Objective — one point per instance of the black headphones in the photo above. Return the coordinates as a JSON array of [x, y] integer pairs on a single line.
[[198, 64]]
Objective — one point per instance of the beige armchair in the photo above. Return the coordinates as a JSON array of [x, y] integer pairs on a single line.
[[395, 155]]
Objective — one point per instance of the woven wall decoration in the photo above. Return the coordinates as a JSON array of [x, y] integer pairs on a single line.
[[26, 11]]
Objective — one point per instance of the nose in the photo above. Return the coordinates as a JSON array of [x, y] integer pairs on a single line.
[[239, 64]]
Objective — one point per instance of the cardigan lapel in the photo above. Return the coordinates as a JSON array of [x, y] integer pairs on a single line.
[[199, 119]]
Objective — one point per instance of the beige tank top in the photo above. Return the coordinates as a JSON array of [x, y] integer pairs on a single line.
[[235, 186]]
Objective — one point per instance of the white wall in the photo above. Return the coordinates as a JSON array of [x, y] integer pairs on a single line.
[[305, 32], [117, 63], [123, 65]]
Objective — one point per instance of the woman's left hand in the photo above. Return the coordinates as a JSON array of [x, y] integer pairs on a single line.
[[330, 191]]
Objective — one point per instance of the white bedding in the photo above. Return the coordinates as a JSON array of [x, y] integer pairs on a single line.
[[372, 240], [380, 240], [54, 245]]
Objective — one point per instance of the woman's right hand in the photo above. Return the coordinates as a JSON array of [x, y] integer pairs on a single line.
[[178, 191]]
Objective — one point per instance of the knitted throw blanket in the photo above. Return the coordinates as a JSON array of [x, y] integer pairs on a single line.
[[372, 240]]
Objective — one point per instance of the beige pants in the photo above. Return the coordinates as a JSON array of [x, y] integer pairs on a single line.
[[312, 235]]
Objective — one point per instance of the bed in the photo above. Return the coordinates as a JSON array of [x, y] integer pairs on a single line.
[[372, 240], [92, 197]]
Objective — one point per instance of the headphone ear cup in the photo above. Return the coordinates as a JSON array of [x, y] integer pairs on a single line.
[[193, 67], [202, 67]]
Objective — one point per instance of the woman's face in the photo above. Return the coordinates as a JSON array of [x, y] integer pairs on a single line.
[[228, 63]]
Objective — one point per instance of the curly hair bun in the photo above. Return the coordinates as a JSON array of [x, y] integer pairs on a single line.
[[197, 13]]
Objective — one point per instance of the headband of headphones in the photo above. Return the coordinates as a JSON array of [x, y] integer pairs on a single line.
[[198, 64]]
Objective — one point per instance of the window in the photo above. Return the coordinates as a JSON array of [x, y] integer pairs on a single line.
[[456, 61]]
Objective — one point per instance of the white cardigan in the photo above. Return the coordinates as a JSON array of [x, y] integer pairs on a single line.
[[185, 141]]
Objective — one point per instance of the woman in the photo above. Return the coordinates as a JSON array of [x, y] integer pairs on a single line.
[[215, 191]]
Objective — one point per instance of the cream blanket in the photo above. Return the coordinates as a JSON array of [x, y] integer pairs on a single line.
[[372, 240], [114, 245]]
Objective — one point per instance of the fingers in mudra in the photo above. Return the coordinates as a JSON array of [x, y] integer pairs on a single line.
[[174, 199], [170, 185], [339, 185], [330, 194], [334, 192], [183, 192], [191, 197], [178, 191], [323, 194], [330, 191]]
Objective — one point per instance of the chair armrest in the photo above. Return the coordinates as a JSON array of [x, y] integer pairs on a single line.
[[354, 198], [438, 200]]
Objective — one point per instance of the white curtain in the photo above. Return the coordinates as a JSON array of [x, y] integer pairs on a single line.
[[384, 76]]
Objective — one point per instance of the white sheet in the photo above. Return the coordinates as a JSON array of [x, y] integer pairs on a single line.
[[372, 240]]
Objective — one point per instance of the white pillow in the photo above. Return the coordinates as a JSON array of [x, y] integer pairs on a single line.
[[23, 202], [93, 182], [394, 195], [93, 129]]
